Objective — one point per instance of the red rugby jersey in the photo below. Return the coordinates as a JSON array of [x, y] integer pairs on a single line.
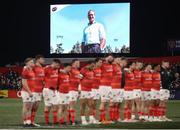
[[87, 81], [63, 82], [129, 81], [74, 79], [39, 74], [106, 75], [117, 77], [146, 81], [137, 79], [156, 80], [51, 77], [97, 78], [29, 75]]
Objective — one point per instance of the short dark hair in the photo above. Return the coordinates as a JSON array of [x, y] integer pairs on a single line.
[[129, 64], [27, 60], [57, 61], [165, 61], [90, 62], [98, 59], [108, 54], [154, 65], [123, 58], [91, 11], [74, 60], [38, 57], [116, 56], [66, 64], [146, 64]]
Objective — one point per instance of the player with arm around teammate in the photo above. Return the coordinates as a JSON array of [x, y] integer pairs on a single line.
[[63, 89], [50, 93]]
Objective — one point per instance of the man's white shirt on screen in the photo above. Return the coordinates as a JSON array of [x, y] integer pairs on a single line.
[[93, 33]]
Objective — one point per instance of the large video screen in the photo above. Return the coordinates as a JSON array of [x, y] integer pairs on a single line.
[[90, 28]]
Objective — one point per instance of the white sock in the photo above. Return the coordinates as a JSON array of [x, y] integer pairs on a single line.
[[146, 117], [133, 117], [25, 122], [155, 117], [83, 118], [28, 122], [91, 118], [150, 117]]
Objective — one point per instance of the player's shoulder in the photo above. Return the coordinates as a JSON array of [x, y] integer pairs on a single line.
[[144, 72], [83, 69], [115, 66], [97, 69], [36, 67], [47, 66], [156, 73], [104, 64], [61, 73], [25, 68], [74, 71]]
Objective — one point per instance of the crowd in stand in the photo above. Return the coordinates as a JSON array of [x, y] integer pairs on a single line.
[[12, 80]]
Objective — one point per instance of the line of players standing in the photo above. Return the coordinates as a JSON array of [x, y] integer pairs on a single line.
[[109, 80]]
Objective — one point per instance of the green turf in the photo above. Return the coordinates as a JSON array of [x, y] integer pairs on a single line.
[[10, 117]]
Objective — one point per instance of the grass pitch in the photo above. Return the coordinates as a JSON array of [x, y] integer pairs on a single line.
[[10, 117]]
